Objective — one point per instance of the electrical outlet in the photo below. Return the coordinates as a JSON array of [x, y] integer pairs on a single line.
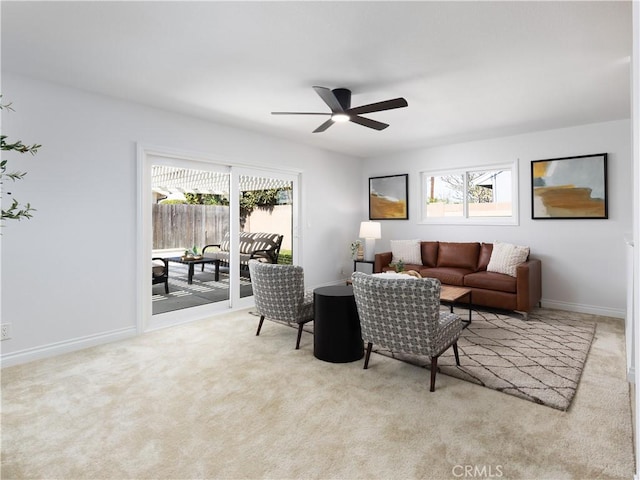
[[5, 331]]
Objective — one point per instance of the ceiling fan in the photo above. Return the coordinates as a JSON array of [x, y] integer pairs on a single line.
[[339, 101]]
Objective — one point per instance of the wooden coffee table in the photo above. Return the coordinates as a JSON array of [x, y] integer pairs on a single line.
[[451, 295]]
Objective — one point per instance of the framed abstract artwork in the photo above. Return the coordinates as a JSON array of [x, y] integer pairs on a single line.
[[569, 188], [389, 197]]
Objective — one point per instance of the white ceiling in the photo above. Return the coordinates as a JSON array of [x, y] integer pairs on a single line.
[[468, 70]]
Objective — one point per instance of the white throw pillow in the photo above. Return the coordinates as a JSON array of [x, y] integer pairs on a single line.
[[394, 275], [406, 250], [505, 257]]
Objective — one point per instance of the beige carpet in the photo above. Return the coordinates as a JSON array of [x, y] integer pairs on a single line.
[[212, 400], [540, 359]]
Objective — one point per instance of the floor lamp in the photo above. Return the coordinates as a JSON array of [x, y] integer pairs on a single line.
[[370, 231]]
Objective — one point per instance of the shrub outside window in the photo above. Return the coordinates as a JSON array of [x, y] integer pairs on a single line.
[[486, 195]]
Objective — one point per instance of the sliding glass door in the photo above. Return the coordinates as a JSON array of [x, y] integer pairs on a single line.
[[190, 216], [201, 222], [266, 221]]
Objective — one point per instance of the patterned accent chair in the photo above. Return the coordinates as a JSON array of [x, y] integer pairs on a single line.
[[160, 272], [404, 315], [279, 293]]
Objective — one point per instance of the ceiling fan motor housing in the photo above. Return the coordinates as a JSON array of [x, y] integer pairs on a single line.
[[343, 95]]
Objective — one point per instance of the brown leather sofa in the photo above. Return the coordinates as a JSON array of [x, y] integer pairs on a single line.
[[465, 265]]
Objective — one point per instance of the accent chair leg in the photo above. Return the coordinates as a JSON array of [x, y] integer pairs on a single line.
[[166, 286], [434, 368], [300, 325], [455, 352], [260, 325], [368, 354]]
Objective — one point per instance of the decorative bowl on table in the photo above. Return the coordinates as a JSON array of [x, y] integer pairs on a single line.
[[190, 257]]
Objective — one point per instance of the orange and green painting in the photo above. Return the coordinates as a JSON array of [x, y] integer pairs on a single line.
[[388, 197], [570, 187]]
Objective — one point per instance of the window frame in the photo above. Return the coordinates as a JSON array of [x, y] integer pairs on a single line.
[[465, 219]]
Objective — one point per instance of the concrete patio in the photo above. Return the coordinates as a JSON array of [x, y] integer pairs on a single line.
[[202, 291]]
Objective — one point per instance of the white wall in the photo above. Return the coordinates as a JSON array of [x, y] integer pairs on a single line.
[[583, 261], [277, 220], [68, 274]]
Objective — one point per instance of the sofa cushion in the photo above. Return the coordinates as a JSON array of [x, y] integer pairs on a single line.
[[406, 250], [505, 257], [446, 275], [157, 268], [226, 242], [491, 281], [266, 241], [246, 242], [485, 256], [224, 257], [429, 253], [458, 255]]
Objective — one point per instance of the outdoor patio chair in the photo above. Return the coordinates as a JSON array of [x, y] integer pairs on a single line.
[[279, 294], [404, 315], [160, 272]]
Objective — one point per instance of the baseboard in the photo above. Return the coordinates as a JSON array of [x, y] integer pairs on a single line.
[[53, 349], [188, 315], [592, 309]]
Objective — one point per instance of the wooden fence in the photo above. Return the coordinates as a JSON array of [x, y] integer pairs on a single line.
[[183, 226]]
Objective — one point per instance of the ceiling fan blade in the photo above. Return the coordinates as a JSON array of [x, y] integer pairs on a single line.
[[367, 122], [300, 113], [329, 98], [379, 106], [324, 126]]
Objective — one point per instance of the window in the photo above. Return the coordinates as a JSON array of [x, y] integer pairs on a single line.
[[487, 195]]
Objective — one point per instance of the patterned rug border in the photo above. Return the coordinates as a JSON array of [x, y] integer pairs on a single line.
[[518, 357]]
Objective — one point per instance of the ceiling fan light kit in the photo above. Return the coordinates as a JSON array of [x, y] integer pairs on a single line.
[[340, 117], [339, 101]]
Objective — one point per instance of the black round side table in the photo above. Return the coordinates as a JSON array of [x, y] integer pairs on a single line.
[[336, 327]]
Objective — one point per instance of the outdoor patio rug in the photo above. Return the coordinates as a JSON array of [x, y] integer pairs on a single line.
[[539, 359], [202, 291]]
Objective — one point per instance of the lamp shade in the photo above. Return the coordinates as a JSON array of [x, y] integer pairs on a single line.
[[370, 230]]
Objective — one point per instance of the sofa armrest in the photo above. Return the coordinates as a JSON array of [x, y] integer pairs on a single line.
[[529, 284], [270, 254], [381, 260], [211, 246], [266, 246]]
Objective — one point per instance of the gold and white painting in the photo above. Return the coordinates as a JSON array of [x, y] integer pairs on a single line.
[[388, 197], [571, 187]]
